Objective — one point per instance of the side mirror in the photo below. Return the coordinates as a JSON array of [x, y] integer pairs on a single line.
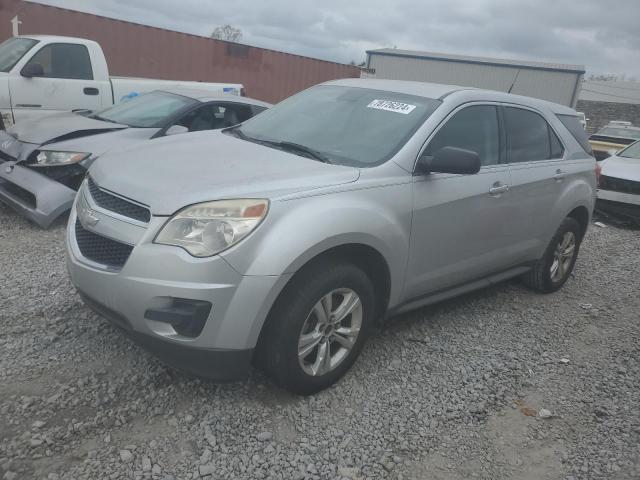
[[450, 160], [32, 70], [176, 130]]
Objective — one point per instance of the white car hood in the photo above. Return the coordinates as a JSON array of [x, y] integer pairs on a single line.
[[621, 167]]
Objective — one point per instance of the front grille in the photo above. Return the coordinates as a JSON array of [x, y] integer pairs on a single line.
[[117, 204], [619, 185], [5, 157], [68, 175], [101, 249], [28, 198]]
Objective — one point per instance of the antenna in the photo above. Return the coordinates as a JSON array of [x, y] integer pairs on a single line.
[[514, 81]]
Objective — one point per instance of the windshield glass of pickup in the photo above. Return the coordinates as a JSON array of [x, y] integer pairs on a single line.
[[619, 132], [145, 111], [632, 151], [344, 125], [12, 50]]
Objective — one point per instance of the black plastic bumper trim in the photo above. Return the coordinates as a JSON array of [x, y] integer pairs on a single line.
[[215, 364], [187, 316]]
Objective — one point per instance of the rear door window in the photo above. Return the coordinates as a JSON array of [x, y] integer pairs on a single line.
[[473, 128], [574, 126], [529, 137]]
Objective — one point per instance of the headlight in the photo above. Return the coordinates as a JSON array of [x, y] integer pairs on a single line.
[[208, 228], [49, 159]]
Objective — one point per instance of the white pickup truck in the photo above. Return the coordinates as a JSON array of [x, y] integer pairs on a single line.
[[43, 74]]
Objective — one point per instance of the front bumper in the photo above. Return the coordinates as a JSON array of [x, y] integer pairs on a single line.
[[217, 364], [152, 275], [619, 197], [39, 198]]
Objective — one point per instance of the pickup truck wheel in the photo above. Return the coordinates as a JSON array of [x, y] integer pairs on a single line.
[[317, 327], [554, 268]]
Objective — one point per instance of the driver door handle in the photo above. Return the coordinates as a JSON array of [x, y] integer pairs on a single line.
[[559, 175], [498, 188]]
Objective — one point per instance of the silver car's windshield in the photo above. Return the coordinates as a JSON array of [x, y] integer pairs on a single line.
[[148, 110], [344, 125], [12, 50], [632, 151], [619, 132]]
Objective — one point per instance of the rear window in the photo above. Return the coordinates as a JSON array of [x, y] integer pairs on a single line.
[[575, 128]]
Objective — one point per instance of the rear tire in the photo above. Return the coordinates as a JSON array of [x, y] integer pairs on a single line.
[[551, 272], [307, 343]]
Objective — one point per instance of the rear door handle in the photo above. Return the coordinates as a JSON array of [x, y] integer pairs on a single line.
[[498, 188], [559, 175], [91, 91]]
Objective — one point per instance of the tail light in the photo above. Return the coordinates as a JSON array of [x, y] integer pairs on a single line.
[[598, 173]]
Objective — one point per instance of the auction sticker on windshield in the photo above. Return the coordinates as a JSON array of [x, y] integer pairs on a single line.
[[391, 106]]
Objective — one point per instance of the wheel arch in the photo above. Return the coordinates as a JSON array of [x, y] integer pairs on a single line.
[[581, 215], [363, 255]]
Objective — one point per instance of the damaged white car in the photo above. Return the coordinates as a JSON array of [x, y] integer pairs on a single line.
[[43, 161], [619, 184]]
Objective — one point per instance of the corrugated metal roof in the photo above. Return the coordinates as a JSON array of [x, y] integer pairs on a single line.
[[610, 91], [422, 89], [482, 60]]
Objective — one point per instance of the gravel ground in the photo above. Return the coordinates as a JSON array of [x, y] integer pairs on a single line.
[[453, 391]]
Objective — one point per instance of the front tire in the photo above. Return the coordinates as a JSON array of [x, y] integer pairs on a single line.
[[551, 272], [317, 327]]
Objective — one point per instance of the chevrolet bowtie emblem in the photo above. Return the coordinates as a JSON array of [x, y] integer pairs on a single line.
[[87, 216]]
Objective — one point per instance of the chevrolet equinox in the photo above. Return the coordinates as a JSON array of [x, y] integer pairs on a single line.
[[281, 241]]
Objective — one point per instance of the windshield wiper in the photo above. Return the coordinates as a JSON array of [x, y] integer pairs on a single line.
[[98, 117], [296, 147], [282, 145], [236, 132]]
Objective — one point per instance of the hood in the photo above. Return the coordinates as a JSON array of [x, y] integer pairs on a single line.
[[172, 172], [621, 167], [98, 144], [60, 125]]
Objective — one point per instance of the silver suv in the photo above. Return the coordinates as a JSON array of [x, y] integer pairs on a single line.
[[282, 241]]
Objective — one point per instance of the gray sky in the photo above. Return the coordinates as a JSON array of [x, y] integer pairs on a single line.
[[602, 35]]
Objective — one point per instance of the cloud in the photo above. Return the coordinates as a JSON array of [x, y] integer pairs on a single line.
[[602, 36]]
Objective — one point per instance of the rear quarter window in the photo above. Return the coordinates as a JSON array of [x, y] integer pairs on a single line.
[[572, 123]]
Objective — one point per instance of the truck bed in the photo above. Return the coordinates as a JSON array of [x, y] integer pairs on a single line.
[[122, 87]]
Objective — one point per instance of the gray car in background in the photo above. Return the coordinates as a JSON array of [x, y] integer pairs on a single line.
[[43, 161], [281, 241]]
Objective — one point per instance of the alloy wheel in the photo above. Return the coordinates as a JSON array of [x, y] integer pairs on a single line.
[[562, 257], [330, 331]]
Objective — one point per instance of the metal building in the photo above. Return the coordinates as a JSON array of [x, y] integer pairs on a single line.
[[548, 81]]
